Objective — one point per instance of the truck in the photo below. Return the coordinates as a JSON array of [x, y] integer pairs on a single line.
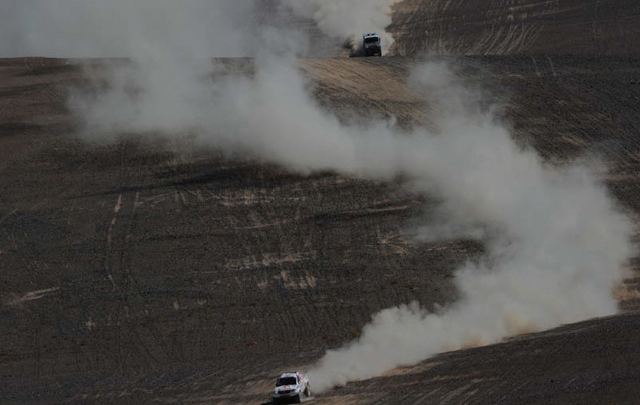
[[372, 44]]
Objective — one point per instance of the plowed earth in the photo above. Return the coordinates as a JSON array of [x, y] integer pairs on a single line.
[[137, 272]]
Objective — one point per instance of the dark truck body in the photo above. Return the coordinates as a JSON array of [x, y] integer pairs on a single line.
[[371, 44]]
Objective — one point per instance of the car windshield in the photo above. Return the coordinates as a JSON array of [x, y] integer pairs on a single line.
[[286, 381], [370, 40]]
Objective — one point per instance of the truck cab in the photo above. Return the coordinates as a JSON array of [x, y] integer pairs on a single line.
[[372, 44]]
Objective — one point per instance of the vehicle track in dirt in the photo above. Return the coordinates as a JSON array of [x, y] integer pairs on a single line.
[[501, 27]]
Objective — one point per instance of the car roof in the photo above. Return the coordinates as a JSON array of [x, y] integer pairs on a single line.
[[371, 35], [294, 374]]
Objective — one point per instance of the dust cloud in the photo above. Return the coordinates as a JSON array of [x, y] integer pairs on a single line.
[[348, 19], [555, 241], [124, 28]]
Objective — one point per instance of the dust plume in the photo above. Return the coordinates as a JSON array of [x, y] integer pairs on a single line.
[[555, 241], [124, 28], [348, 19]]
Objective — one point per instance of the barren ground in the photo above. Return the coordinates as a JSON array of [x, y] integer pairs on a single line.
[[144, 271]]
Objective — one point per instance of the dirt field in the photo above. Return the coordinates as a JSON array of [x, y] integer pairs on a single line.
[[137, 272], [504, 27]]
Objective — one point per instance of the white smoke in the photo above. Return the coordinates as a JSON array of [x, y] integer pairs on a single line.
[[348, 19], [555, 241], [125, 28], [554, 256]]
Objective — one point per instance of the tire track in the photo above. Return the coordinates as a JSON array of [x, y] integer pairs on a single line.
[[502, 27]]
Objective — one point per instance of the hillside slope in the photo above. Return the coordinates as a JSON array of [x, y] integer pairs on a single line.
[[147, 270]]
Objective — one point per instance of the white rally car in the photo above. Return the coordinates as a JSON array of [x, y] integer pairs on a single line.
[[291, 387]]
